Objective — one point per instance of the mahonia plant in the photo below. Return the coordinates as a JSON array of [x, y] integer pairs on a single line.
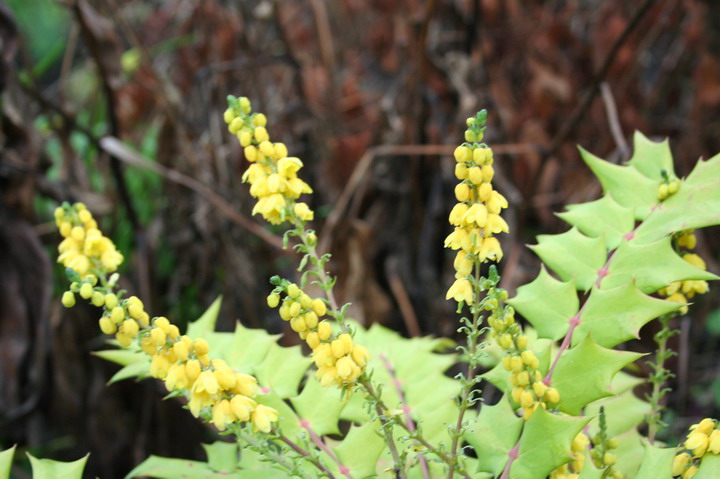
[[379, 405]]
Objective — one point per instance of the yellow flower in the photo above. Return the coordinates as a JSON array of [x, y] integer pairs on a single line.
[[263, 417], [461, 290]]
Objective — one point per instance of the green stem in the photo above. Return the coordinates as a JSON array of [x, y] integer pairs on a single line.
[[659, 376]]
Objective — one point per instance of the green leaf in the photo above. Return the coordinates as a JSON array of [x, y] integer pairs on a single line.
[[652, 266], [589, 470], [616, 315], [545, 444], [622, 413], [168, 468], [282, 369], [652, 157], [49, 469], [6, 459], [624, 382], [493, 434], [206, 323], [319, 406], [548, 304], [601, 218], [584, 374], [222, 456], [630, 450], [695, 205], [140, 369], [572, 255], [625, 184], [246, 349], [360, 450], [709, 467], [656, 463], [123, 357]]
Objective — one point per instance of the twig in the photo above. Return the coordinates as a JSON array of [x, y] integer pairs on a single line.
[[401, 295], [614, 121], [589, 95], [344, 470], [405, 407], [306, 454]]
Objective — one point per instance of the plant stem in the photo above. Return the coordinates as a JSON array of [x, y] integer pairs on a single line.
[[659, 376], [268, 452], [468, 383], [315, 461], [323, 447], [512, 455], [406, 409]]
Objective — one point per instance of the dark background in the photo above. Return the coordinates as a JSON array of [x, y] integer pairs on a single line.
[[379, 88]]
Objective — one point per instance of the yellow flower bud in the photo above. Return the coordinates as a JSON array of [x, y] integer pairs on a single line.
[[124, 340], [523, 378], [318, 306], [225, 378], [245, 138], [147, 345], [475, 175], [235, 125], [229, 115], [181, 350], [463, 154], [261, 134], [484, 191], [516, 364], [86, 291], [517, 394], [158, 336], [311, 320], [293, 291], [714, 442], [97, 299], [479, 155], [263, 417], [470, 136], [609, 459], [663, 192], [360, 355], [507, 363], [312, 340], [522, 342], [68, 299], [462, 192], [260, 120], [461, 171], [273, 300], [245, 105], [526, 399], [173, 332], [77, 233], [245, 384], [324, 330], [338, 349], [690, 472], [110, 301], [552, 396], [117, 315], [297, 324], [242, 406], [107, 326], [295, 309], [129, 328], [539, 388], [505, 341], [201, 346], [192, 369], [280, 150]]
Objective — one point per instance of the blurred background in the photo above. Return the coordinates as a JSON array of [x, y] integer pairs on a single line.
[[118, 103]]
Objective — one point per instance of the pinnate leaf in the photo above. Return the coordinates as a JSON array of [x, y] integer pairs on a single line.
[[585, 372], [547, 304], [572, 255]]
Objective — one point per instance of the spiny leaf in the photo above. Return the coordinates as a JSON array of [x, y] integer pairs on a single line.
[[545, 444], [626, 184], [169, 468], [572, 255], [205, 323], [360, 450], [122, 357], [244, 350], [652, 266], [709, 467], [282, 369], [622, 413], [616, 315], [652, 157], [547, 304], [629, 452], [222, 456], [695, 205], [584, 374], [6, 459], [656, 463], [49, 469], [601, 218], [319, 406], [493, 434], [139, 369]]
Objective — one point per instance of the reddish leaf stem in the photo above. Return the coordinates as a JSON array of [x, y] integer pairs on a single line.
[[344, 470]]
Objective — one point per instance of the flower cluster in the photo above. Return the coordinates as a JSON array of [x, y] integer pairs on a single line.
[[184, 364], [573, 469], [272, 174], [682, 291], [529, 390], [476, 216], [704, 438], [84, 247], [338, 359]]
